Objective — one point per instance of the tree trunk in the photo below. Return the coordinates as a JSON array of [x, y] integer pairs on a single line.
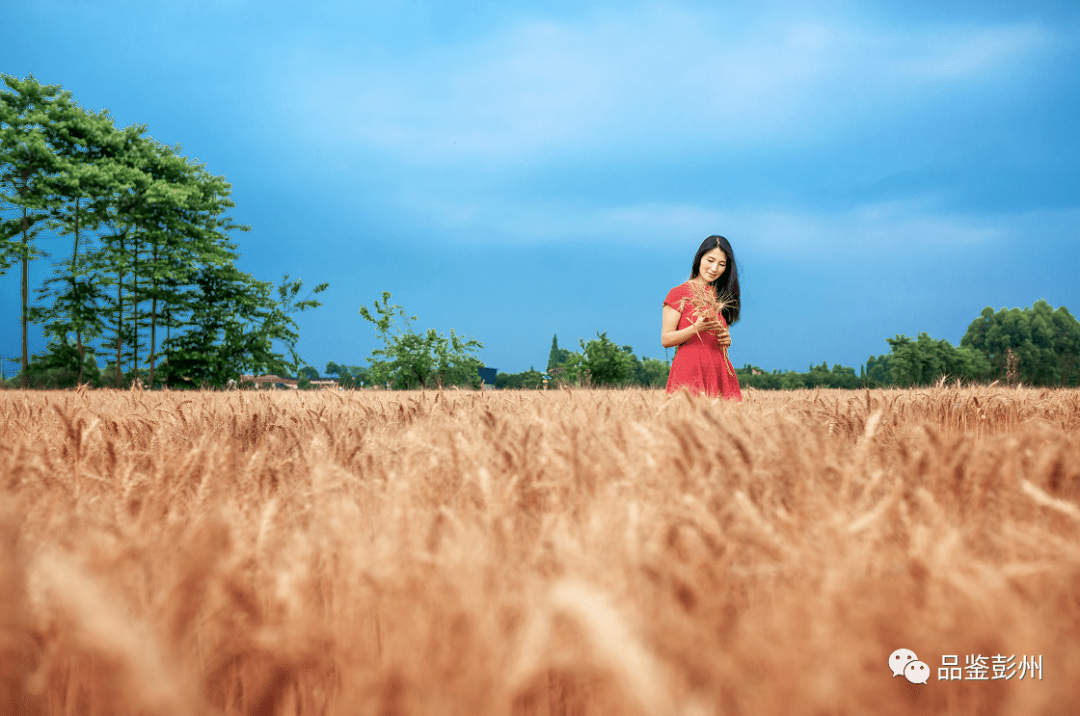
[[74, 262], [153, 339], [119, 318], [135, 307], [168, 333], [25, 287], [153, 315]]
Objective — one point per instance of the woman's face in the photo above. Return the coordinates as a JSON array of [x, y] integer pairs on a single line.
[[713, 264]]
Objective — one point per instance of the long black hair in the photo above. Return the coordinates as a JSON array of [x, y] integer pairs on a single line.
[[727, 284]]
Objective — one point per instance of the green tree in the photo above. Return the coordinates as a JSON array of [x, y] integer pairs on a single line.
[[924, 361], [348, 376], [646, 372], [4, 383], [526, 380], [875, 372], [185, 224], [839, 376], [572, 371], [558, 355], [607, 363], [218, 337], [1045, 341], [410, 360], [60, 367], [1065, 344], [651, 373], [279, 324], [359, 376], [167, 222], [150, 249], [232, 322], [116, 257], [793, 380], [85, 144], [753, 377], [28, 110]]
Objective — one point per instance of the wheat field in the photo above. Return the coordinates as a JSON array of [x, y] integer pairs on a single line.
[[522, 552]]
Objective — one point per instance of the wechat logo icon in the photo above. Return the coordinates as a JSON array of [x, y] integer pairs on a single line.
[[903, 662]]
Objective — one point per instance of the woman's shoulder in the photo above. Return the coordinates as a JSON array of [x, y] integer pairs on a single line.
[[680, 291], [683, 287]]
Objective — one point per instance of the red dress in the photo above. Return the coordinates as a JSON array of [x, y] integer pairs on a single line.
[[699, 363]]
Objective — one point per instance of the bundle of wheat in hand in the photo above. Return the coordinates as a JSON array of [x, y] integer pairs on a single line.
[[707, 304]]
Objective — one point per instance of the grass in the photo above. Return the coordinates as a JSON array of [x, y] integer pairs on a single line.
[[558, 552]]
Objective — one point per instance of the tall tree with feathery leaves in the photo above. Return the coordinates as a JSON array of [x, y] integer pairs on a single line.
[[86, 144], [27, 163]]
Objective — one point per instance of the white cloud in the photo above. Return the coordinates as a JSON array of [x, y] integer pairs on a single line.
[[882, 230], [653, 80], [976, 51]]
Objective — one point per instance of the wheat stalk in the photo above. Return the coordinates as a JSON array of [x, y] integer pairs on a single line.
[[706, 303], [587, 552]]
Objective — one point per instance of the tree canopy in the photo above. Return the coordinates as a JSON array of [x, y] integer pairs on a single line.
[[418, 360], [151, 252], [1045, 341]]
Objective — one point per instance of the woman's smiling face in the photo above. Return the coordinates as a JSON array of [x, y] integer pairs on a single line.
[[713, 264]]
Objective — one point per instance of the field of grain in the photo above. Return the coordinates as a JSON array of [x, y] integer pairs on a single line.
[[557, 552]]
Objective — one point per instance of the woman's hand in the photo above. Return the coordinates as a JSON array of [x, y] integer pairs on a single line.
[[723, 337], [704, 325]]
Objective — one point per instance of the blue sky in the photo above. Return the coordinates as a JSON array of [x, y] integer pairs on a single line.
[[514, 170]]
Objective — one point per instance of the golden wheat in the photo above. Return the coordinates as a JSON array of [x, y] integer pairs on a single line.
[[559, 552]]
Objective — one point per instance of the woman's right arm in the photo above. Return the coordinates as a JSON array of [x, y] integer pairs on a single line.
[[670, 337]]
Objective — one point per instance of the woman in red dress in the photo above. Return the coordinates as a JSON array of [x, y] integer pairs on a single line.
[[701, 363]]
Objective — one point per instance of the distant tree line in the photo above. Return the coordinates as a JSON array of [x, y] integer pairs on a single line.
[[600, 362], [407, 360], [149, 283], [603, 363], [1037, 346]]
